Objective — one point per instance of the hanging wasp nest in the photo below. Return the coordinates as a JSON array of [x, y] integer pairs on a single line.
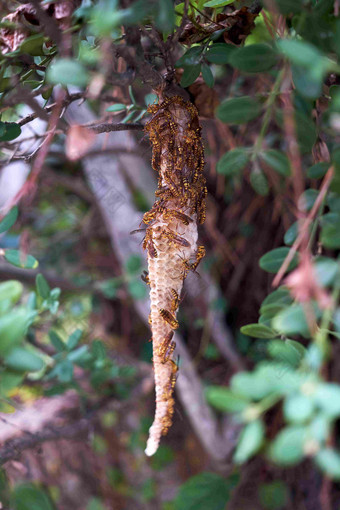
[[171, 238]]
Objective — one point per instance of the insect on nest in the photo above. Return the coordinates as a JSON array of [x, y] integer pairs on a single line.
[[171, 237]]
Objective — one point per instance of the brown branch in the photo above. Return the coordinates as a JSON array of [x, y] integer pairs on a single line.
[[65, 102], [13, 448], [176, 36], [107, 128]]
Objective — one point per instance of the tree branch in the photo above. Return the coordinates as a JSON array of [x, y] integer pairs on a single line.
[[107, 128]]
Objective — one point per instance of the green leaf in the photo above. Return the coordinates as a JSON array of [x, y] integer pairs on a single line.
[[206, 490], [11, 291], [13, 327], [66, 71], [19, 259], [207, 75], [277, 160], [238, 110], [307, 199], [190, 74], [233, 161], [33, 45], [250, 441], [273, 260], [266, 380], [79, 355], [288, 7], [319, 428], [328, 461], [118, 107], [299, 52], [317, 171], [150, 99], [280, 296], [64, 371], [95, 504], [291, 234], [73, 339], [133, 264], [287, 447], [298, 408], [327, 398], [218, 3], [306, 132], [274, 495], [191, 57], [333, 201], [225, 400], [259, 182], [9, 131], [137, 289], [326, 270], [165, 19], [43, 287], [56, 341], [23, 360], [8, 381], [330, 232], [254, 58], [29, 497], [8, 221], [308, 81], [287, 351], [291, 321], [219, 53], [258, 331]]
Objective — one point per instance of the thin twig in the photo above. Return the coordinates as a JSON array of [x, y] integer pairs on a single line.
[[176, 36], [304, 226]]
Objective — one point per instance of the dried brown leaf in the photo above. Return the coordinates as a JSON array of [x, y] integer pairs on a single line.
[[79, 140]]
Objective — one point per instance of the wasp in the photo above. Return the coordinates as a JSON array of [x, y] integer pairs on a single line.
[[169, 318], [186, 184], [149, 216], [176, 239], [199, 256], [150, 319], [174, 301], [149, 245], [151, 249], [167, 348], [171, 213], [145, 277], [174, 374]]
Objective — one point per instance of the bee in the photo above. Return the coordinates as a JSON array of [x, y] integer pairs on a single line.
[[169, 318], [174, 301], [145, 277]]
